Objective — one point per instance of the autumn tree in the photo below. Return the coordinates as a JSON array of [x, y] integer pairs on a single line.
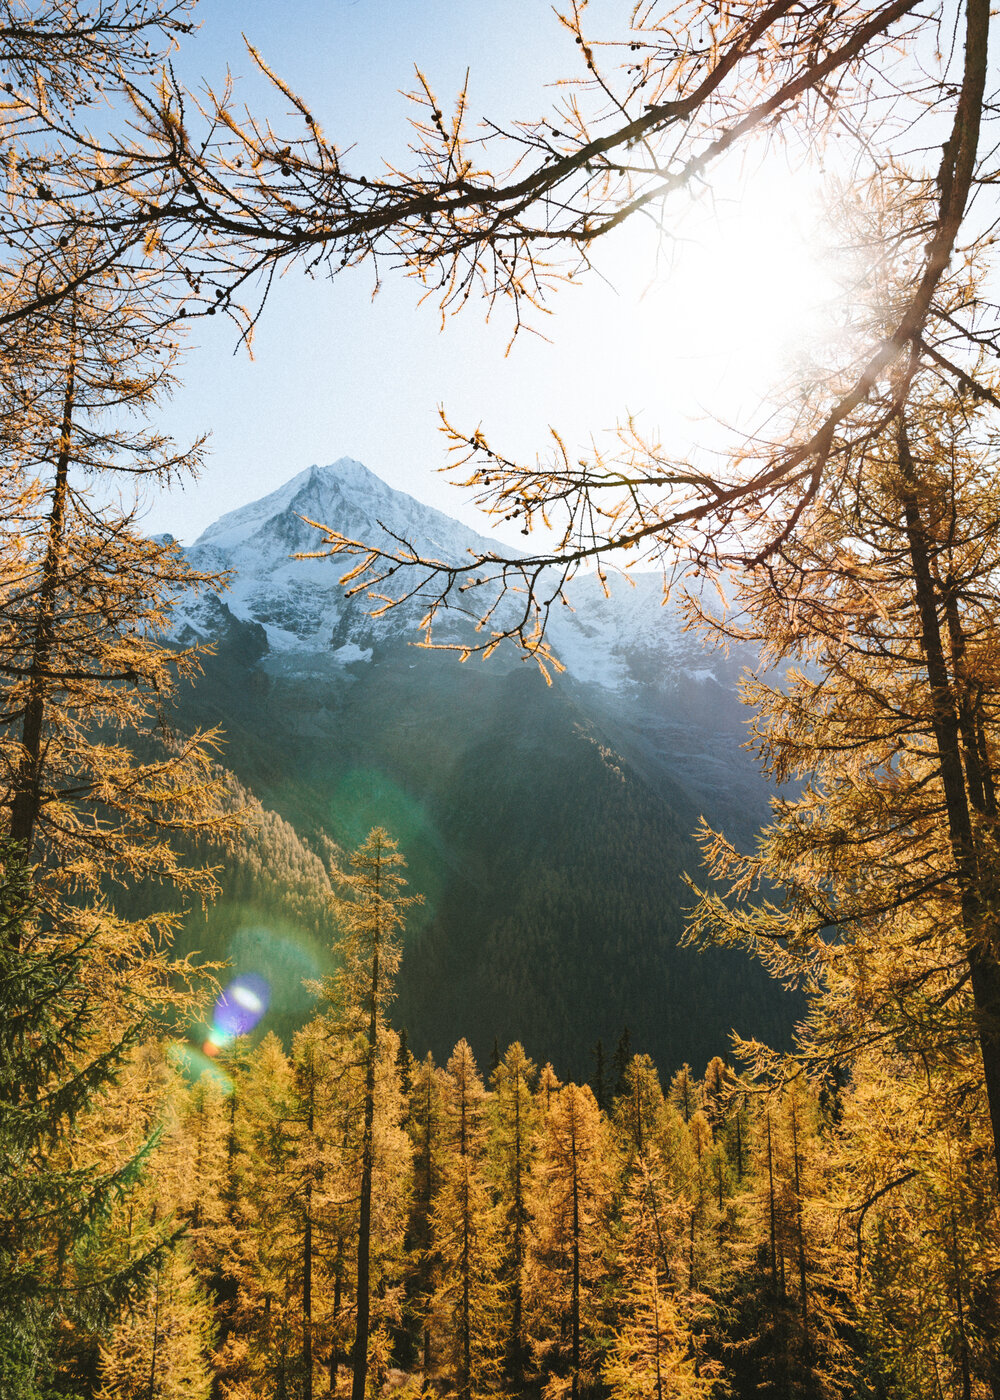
[[684, 1093], [656, 1166], [921, 1227], [566, 1261], [389, 1203], [513, 1144], [161, 1347], [372, 916], [84, 672], [883, 607], [311, 1085], [86, 598], [789, 1300], [548, 1087], [466, 1235], [201, 1137], [890, 596], [425, 1124], [262, 1349], [320, 1162], [652, 1356]]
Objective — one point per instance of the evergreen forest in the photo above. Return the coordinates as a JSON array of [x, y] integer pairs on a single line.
[[247, 1187]]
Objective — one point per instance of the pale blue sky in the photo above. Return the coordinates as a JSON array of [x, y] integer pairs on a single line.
[[336, 373]]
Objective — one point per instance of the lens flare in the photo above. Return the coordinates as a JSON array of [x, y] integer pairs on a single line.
[[193, 1063], [239, 1008]]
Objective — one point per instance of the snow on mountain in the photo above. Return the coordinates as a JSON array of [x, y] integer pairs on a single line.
[[299, 602], [345, 495], [629, 642]]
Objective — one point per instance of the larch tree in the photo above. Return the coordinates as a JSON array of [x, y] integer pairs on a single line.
[[548, 1087], [514, 1125], [794, 1276], [85, 672], [662, 1314], [868, 524], [289, 1249], [652, 1356], [86, 599], [883, 607], [656, 1166], [425, 1124], [338, 1236], [920, 1228], [161, 1347], [310, 1069], [567, 1257], [200, 1138], [684, 1093], [639, 1105], [163, 1340], [372, 917], [885, 856], [467, 1237], [699, 1200], [262, 1350]]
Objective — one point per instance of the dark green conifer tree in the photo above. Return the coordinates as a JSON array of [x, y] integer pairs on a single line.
[[63, 1271], [620, 1061], [599, 1082]]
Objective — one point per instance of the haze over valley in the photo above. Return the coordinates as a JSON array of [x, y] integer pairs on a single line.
[[549, 827]]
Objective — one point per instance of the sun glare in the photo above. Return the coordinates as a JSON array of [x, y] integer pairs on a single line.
[[743, 287]]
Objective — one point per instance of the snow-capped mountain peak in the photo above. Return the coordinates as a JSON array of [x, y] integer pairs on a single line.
[[346, 496], [629, 643], [299, 601]]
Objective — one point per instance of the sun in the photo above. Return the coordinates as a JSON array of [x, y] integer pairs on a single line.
[[743, 284]]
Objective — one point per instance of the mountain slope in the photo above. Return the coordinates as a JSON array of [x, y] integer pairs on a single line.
[[548, 827]]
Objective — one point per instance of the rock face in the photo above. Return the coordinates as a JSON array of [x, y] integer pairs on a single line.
[[549, 828]]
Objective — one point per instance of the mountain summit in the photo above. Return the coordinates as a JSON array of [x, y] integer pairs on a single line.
[[349, 497], [299, 602]]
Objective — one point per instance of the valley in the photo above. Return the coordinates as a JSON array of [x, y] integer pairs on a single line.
[[549, 828]]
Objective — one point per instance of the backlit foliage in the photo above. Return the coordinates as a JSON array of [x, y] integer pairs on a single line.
[[826, 1227]]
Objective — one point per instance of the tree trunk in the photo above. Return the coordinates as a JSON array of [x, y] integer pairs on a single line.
[[307, 1261], [978, 924], [338, 1289], [801, 1252], [576, 1262], [519, 1221], [365, 1213], [656, 1331], [27, 795], [154, 1353], [771, 1212], [465, 1378]]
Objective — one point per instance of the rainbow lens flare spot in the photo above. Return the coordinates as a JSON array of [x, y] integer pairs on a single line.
[[238, 1009]]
